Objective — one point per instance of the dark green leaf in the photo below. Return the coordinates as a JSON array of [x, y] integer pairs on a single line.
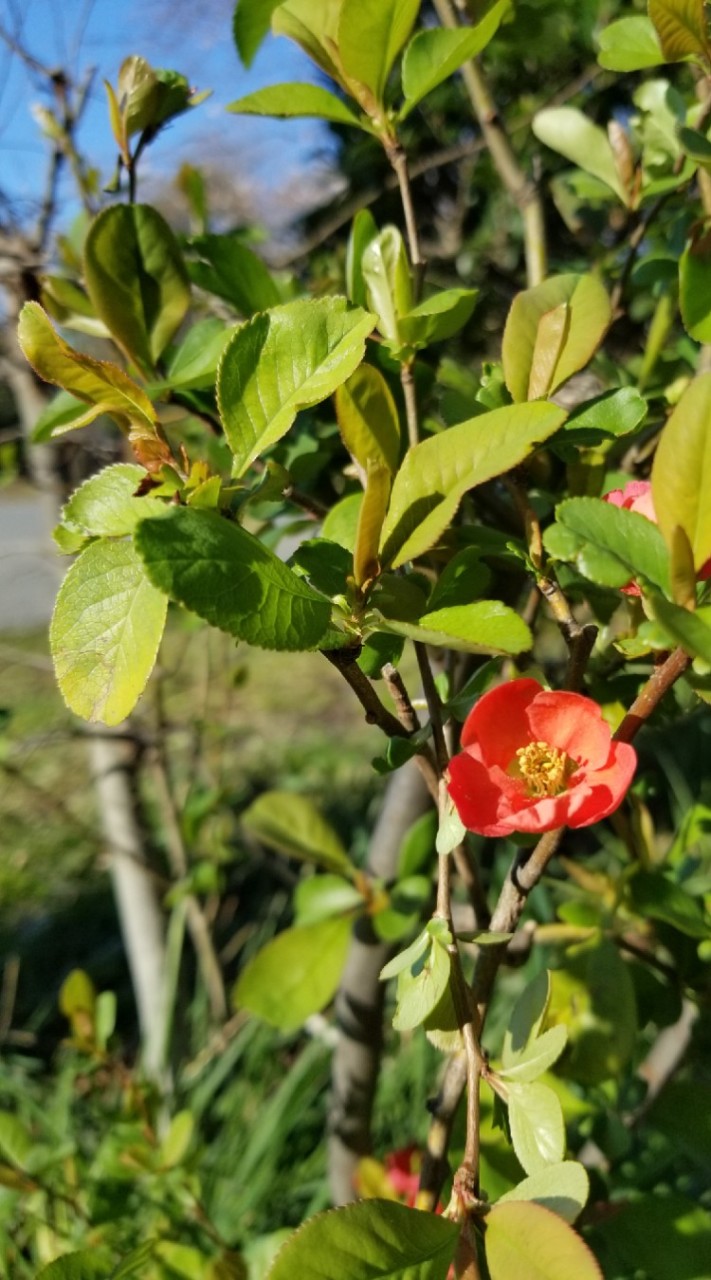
[[225, 575], [615, 544], [658, 897], [229, 269]]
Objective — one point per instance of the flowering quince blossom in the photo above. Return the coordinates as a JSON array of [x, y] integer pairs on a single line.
[[637, 496], [534, 760]]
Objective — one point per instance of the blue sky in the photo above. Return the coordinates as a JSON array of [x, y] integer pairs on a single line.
[[99, 33]]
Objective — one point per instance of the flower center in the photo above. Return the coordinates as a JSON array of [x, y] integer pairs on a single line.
[[544, 769]]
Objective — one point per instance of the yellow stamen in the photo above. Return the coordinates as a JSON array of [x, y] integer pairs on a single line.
[[544, 769]]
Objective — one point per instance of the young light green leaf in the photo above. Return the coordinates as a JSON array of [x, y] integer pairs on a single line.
[[314, 25], [630, 44], [291, 824], [451, 830], [538, 1057], [288, 359], [296, 974], [562, 1188], [526, 1018], [615, 545], [341, 523], [681, 27], [486, 626], [370, 1240], [437, 473], [175, 1144], [231, 270], [102, 385], [181, 1260], [570, 133], [106, 628], [228, 577], [58, 416], [294, 99], [105, 505], [363, 230], [681, 474], [535, 342], [408, 958], [421, 986], [537, 1126], [526, 1240], [437, 318], [371, 34], [378, 483], [136, 279], [386, 272], [250, 25], [432, 56], [368, 418], [321, 897], [15, 1142]]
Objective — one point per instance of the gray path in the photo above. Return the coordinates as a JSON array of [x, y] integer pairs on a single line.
[[29, 569]]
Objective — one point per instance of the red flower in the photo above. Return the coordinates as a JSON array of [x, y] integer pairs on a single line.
[[533, 761], [637, 496], [402, 1168]]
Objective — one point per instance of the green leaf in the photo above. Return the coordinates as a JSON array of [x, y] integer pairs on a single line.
[[695, 285], [437, 473], [363, 230], [371, 34], [370, 1240], [321, 897], [613, 414], [296, 974], [615, 544], [661, 1236], [537, 1126], [681, 27], [432, 56], [692, 631], [526, 1018], [461, 581], [527, 1241], [295, 99], [77, 994], [437, 318], [388, 281], [105, 505], [181, 1259], [176, 1142], [134, 1261], [106, 628], [656, 896], [562, 1188], [250, 25], [15, 1142], [487, 626], [288, 359], [292, 824], [408, 958], [326, 565], [232, 271], [531, 346], [378, 482], [681, 474], [593, 996], [314, 25], [84, 1265], [194, 364], [368, 419], [570, 133], [136, 279], [538, 1057], [630, 44], [421, 986], [341, 523], [61, 413], [102, 385], [228, 577]]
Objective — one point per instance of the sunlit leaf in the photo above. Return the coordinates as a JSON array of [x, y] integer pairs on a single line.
[[562, 1188], [296, 974], [293, 825], [538, 354], [250, 25], [681, 27], [630, 44], [537, 1127], [433, 55], [295, 99], [570, 133], [527, 1241], [106, 628], [681, 474], [371, 33]]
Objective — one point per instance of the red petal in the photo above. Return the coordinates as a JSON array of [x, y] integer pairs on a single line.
[[608, 786], [572, 723], [499, 721], [479, 801]]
